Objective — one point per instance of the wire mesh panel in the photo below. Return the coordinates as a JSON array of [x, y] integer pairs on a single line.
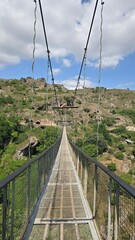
[[19, 193], [101, 208], [111, 200]]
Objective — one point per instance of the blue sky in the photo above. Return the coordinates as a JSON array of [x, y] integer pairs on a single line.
[[67, 29]]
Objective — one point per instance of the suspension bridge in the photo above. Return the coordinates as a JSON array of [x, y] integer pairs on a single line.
[[63, 193]]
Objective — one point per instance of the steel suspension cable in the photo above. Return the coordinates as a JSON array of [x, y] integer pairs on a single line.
[[99, 73], [48, 51], [47, 80], [86, 47], [33, 64], [34, 38]]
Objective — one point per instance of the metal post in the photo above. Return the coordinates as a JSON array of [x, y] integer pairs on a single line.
[[12, 208], [45, 163], [85, 177], [95, 192], [38, 177], [28, 193], [77, 166], [81, 172], [109, 209], [4, 218], [117, 211]]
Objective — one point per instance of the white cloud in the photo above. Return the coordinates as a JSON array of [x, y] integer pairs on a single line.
[[71, 83], [66, 62], [56, 71], [67, 24]]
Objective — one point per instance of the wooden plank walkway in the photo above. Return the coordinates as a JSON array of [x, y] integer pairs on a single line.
[[63, 211]]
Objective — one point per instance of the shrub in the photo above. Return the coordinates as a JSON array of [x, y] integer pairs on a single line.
[[121, 147], [129, 113], [6, 100], [119, 155], [110, 150], [112, 167], [109, 121], [86, 110], [79, 142], [119, 130], [91, 150], [133, 152], [104, 132], [102, 144], [126, 177]]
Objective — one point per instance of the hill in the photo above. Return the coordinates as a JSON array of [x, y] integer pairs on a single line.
[[27, 102]]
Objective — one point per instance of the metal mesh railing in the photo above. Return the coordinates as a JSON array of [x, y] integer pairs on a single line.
[[20, 192], [111, 200]]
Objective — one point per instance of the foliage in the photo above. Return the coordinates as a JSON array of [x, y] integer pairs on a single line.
[[6, 100], [9, 129], [126, 177], [112, 166], [128, 112], [119, 155], [86, 110], [102, 144], [12, 134], [79, 142], [91, 150], [109, 121], [102, 130], [131, 135], [133, 152], [120, 130], [47, 137], [121, 147]]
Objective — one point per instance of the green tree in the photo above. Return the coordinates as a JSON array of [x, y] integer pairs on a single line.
[[102, 130], [102, 144], [91, 150]]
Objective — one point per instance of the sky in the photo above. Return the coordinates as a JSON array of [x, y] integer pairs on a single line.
[[67, 25]]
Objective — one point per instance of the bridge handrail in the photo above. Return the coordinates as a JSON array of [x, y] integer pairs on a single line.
[[13, 175], [20, 192], [120, 181]]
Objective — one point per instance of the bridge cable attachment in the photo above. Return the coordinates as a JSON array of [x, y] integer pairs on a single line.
[[32, 68], [99, 74]]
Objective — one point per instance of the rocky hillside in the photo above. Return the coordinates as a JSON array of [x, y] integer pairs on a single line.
[[113, 109]]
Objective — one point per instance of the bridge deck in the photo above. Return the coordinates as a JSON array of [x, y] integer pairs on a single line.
[[63, 211]]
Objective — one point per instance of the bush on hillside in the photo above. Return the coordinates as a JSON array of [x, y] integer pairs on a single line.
[[119, 155], [112, 166], [102, 144], [128, 112], [91, 150], [121, 147], [103, 131], [133, 152]]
